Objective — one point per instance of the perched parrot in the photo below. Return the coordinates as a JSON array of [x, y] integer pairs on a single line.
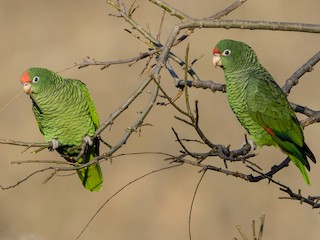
[[259, 103], [66, 116]]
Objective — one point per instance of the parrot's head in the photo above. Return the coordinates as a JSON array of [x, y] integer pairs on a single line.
[[35, 80], [233, 55]]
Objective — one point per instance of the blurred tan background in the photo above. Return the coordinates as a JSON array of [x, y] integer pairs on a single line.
[[55, 34]]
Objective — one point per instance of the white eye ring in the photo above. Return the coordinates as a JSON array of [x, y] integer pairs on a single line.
[[36, 79], [226, 52]]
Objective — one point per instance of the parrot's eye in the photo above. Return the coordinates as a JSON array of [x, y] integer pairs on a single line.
[[226, 52], [36, 79]]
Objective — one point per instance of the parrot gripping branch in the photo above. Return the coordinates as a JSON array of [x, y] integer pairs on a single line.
[[163, 54], [192, 23]]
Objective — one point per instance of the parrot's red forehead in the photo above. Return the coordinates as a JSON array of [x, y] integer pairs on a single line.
[[25, 77], [216, 50]]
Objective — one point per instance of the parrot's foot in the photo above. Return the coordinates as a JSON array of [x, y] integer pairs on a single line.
[[55, 144], [88, 140], [251, 143]]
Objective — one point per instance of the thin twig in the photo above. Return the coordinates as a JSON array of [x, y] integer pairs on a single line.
[[173, 11], [117, 192], [27, 177], [228, 9], [307, 67], [192, 202], [26, 144]]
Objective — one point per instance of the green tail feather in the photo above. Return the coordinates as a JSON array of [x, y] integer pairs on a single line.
[[302, 169], [297, 154], [91, 177]]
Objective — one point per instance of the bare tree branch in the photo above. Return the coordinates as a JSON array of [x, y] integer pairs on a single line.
[[21, 143], [307, 67], [173, 11], [251, 25], [161, 53], [228, 9]]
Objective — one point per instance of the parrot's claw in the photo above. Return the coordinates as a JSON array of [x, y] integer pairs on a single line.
[[251, 143], [88, 140], [55, 144]]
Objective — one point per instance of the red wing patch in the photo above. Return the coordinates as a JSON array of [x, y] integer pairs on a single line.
[[269, 131]]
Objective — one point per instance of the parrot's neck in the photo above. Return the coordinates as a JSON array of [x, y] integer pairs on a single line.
[[44, 101], [237, 81], [242, 72]]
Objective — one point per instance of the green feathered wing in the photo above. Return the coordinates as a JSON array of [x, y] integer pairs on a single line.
[[91, 177], [271, 110]]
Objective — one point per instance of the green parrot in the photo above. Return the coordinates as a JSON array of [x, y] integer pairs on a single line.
[[66, 116], [259, 103]]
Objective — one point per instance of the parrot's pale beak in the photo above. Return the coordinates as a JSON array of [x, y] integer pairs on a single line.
[[217, 59], [27, 88]]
